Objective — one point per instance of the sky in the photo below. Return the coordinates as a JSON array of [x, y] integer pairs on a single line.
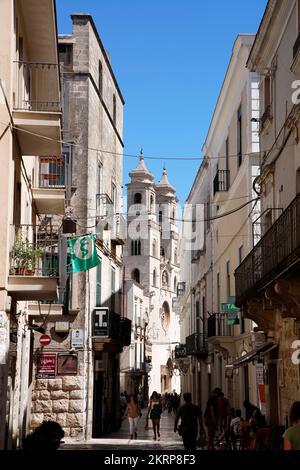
[[169, 58]]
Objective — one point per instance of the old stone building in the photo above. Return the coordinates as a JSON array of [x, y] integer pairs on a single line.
[[267, 281], [31, 197], [83, 394], [151, 263]]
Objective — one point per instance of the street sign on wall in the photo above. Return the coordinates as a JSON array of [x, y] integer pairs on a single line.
[[77, 338], [45, 340], [46, 366], [100, 322]]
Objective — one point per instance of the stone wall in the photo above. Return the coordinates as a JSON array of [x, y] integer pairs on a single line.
[[60, 400]]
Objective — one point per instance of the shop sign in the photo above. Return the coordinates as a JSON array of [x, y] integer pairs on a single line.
[[67, 364], [46, 366], [100, 322]]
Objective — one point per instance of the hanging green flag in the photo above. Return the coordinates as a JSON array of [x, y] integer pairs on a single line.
[[83, 253]]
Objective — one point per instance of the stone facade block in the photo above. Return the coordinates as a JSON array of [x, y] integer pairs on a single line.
[[50, 416], [44, 395], [59, 395], [67, 432], [41, 384], [43, 406], [60, 406], [71, 383], [74, 420], [34, 395], [76, 394], [75, 406], [76, 432], [55, 384], [61, 419], [36, 419]]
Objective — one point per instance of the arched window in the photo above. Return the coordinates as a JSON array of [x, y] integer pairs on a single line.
[[151, 203], [154, 278], [136, 247], [160, 217], [114, 109], [165, 279], [175, 284], [137, 198], [165, 316], [154, 251], [136, 275]]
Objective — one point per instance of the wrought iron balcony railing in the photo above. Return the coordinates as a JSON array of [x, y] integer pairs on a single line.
[[278, 249], [35, 87], [34, 251], [217, 325], [221, 181], [196, 344], [51, 172]]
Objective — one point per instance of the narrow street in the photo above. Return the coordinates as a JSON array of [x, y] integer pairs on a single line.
[[120, 439]]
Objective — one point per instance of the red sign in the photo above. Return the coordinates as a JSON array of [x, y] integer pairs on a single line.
[[46, 366], [45, 340]]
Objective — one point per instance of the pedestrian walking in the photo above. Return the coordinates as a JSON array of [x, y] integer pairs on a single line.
[[154, 411], [211, 416], [292, 435], [190, 416], [133, 413]]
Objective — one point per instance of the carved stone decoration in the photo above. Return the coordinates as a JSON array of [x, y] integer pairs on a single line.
[[256, 310], [288, 290]]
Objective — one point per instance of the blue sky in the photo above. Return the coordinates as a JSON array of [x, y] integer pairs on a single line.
[[169, 57]]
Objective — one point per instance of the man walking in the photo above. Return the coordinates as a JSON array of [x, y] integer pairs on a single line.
[[190, 416]]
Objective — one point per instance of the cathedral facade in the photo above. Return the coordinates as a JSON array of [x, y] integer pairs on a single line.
[[151, 277]]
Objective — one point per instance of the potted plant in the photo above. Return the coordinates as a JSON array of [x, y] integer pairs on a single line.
[[18, 256], [31, 255]]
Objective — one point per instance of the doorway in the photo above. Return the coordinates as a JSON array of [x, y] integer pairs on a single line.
[[98, 402]]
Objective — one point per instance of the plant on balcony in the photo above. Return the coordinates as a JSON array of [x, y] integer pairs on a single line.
[[24, 257]]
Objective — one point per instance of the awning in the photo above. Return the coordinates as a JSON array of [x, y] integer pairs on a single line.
[[243, 360]]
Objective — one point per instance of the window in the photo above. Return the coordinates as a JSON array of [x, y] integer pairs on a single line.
[[218, 292], [154, 246], [239, 136], [100, 80], [175, 284], [267, 94], [98, 285], [154, 278], [114, 196], [173, 216], [136, 275], [137, 198], [151, 203], [175, 255], [160, 217], [165, 279], [113, 289], [228, 278], [162, 251], [100, 178], [114, 109], [227, 154], [135, 247], [240, 254]]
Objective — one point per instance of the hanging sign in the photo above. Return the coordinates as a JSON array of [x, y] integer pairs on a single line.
[[83, 252]]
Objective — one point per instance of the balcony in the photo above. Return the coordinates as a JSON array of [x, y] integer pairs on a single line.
[[49, 187], [138, 369], [37, 107], [277, 250], [33, 272], [180, 351], [196, 345], [105, 213], [221, 181], [217, 326]]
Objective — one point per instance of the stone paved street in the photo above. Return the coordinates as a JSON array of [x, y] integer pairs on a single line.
[[120, 439]]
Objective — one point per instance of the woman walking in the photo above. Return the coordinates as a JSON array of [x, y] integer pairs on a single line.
[[292, 434], [155, 410], [133, 412]]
